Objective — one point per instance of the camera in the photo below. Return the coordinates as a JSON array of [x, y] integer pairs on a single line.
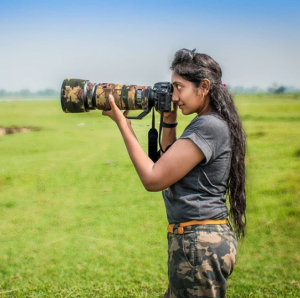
[[79, 96]]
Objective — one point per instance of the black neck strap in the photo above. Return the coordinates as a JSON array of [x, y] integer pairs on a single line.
[[160, 129], [152, 140]]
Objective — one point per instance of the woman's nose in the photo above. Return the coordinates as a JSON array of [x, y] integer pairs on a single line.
[[175, 97]]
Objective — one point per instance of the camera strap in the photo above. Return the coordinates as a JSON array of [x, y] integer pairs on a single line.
[[152, 140], [160, 129]]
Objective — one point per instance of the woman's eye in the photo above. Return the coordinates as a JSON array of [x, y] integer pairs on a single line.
[[178, 87]]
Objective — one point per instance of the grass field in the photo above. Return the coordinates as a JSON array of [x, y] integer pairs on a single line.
[[75, 220]]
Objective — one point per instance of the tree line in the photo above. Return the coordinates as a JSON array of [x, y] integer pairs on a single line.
[[274, 89], [28, 93]]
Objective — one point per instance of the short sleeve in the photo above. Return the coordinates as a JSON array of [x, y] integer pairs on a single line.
[[200, 142], [209, 133]]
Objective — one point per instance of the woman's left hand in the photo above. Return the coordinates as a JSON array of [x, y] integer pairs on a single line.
[[115, 113]]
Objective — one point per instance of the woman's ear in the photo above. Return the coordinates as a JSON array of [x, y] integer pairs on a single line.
[[204, 87]]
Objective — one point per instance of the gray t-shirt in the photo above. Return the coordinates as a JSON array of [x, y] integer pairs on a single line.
[[200, 194]]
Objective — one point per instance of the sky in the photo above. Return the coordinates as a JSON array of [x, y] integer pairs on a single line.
[[256, 42]]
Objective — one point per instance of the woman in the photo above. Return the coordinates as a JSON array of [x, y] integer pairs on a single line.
[[196, 174]]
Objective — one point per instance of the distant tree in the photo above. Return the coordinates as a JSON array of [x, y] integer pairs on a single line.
[[47, 92], [25, 92], [40, 93], [279, 90], [50, 92], [273, 88], [3, 92], [254, 90], [239, 89]]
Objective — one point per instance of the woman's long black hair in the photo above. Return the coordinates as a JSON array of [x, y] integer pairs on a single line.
[[194, 67]]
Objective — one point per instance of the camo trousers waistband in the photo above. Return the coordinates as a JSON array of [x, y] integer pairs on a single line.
[[200, 261]]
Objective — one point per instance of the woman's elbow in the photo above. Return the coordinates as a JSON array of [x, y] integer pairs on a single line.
[[153, 186]]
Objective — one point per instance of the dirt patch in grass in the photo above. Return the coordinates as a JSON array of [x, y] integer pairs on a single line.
[[15, 129]]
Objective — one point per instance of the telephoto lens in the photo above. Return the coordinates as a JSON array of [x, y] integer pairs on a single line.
[[78, 96]]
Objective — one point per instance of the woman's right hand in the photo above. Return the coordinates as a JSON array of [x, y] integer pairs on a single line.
[[171, 117]]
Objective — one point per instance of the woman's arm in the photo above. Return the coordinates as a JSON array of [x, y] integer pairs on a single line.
[[183, 156]]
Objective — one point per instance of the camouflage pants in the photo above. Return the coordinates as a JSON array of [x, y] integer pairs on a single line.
[[200, 261]]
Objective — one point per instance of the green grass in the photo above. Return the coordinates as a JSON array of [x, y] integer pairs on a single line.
[[75, 220]]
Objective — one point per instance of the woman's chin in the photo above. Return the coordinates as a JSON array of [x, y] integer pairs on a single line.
[[185, 112]]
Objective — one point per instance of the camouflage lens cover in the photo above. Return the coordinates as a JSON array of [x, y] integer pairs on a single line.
[[72, 97], [79, 96], [127, 97]]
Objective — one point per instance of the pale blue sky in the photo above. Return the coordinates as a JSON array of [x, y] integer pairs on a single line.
[[43, 42]]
